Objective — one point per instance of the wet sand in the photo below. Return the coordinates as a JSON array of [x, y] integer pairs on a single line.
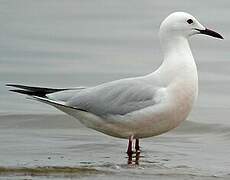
[[57, 146]]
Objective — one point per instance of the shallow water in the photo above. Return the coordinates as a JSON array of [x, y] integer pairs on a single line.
[[194, 150], [75, 43]]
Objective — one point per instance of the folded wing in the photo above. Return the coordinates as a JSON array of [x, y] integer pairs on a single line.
[[115, 98]]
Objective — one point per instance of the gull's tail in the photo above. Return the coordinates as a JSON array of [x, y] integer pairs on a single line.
[[33, 91], [40, 94]]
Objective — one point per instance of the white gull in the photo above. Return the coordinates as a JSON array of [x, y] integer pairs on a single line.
[[142, 106]]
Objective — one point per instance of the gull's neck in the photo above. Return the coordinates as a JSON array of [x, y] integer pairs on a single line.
[[178, 60], [176, 47]]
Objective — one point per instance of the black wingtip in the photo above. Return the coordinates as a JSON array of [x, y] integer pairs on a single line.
[[31, 90], [22, 91], [10, 85], [17, 86]]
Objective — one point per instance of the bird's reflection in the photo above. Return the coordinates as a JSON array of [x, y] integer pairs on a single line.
[[134, 158]]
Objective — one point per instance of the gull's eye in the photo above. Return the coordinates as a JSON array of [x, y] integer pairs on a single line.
[[190, 21]]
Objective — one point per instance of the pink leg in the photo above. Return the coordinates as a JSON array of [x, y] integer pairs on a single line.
[[130, 144]]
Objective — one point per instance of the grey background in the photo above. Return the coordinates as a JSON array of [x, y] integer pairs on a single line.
[[72, 43]]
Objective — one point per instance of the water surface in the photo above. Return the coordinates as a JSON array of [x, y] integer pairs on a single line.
[[84, 43]]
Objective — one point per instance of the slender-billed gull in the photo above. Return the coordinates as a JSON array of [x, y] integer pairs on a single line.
[[138, 107]]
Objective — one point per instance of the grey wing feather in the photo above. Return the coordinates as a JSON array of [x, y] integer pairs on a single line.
[[66, 95], [116, 98]]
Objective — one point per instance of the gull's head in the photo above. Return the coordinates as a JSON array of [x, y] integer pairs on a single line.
[[181, 24]]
